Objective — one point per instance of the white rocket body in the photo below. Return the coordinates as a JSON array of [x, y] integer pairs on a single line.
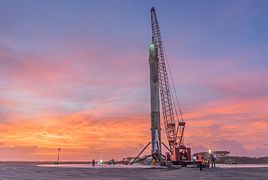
[[155, 102]]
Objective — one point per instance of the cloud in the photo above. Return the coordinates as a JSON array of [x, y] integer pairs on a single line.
[[88, 92], [236, 148], [67, 82], [92, 135]]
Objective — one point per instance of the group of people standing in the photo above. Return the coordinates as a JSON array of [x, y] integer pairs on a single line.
[[212, 161]]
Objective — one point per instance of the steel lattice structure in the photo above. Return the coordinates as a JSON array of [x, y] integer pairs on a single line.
[[174, 133]]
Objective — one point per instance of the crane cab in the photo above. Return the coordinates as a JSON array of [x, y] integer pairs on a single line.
[[181, 153]]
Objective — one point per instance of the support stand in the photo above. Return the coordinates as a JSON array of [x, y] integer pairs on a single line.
[[167, 147], [140, 154], [152, 155]]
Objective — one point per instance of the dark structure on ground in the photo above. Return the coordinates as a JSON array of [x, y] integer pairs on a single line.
[[243, 160]]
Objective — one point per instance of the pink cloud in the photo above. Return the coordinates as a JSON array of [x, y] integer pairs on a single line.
[[97, 97]]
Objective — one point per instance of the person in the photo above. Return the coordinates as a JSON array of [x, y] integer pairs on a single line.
[[210, 160], [93, 162], [213, 160], [200, 161]]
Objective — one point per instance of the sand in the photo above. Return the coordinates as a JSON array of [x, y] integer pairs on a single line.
[[33, 171]]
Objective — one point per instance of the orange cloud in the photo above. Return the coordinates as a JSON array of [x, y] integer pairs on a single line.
[[95, 104], [75, 134]]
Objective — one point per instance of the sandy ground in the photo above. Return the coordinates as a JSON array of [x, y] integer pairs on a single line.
[[32, 171]]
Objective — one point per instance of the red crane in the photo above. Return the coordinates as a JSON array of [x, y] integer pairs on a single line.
[[173, 119]]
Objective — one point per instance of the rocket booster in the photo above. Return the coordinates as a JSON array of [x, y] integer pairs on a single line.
[[154, 96]]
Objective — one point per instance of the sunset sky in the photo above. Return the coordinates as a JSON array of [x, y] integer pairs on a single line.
[[74, 74]]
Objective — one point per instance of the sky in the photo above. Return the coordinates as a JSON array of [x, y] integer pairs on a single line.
[[74, 74]]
